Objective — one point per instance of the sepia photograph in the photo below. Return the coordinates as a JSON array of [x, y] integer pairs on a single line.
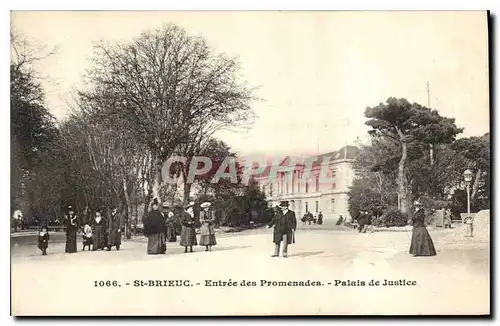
[[250, 163]]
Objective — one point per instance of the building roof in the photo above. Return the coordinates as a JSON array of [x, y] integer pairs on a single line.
[[346, 152]]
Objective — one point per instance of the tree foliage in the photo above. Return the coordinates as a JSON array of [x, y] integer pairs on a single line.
[[407, 123]]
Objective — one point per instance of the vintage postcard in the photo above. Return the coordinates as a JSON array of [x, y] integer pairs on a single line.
[[205, 163]]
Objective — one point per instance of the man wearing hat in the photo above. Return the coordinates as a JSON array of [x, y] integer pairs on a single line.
[[284, 229], [114, 228], [154, 229], [207, 233], [188, 232]]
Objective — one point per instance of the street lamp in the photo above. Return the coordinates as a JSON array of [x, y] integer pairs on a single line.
[[468, 219]]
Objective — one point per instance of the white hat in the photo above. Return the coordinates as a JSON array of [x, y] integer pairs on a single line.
[[205, 204]]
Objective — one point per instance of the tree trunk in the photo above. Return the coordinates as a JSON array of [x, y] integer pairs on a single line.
[[187, 192], [402, 191], [157, 179], [147, 201], [129, 211]]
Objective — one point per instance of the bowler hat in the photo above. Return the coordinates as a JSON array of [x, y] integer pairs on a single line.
[[284, 203]]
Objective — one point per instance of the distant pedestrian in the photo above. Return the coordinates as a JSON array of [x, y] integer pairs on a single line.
[[320, 218], [285, 225], [43, 239], [421, 241], [188, 232], [207, 233], [304, 219], [154, 229], [99, 239], [114, 228], [340, 220], [71, 229], [447, 218]]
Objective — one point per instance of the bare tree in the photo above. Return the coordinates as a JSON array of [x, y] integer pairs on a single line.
[[171, 89]]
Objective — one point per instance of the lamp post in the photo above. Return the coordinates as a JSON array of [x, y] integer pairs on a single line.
[[468, 219]]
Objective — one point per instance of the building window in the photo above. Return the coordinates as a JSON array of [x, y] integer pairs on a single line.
[[332, 205], [307, 186], [293, 181], [333, 178], [317, 206], [307, 208], [317, 183]]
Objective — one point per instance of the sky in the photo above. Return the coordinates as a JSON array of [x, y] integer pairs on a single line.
[[316, 72]]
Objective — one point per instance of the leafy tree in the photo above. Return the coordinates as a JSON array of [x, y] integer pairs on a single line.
[[407, 123], [476, 152], [33, 128]]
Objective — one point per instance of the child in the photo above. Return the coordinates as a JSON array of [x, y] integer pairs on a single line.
[[43, 240], [87, 236]]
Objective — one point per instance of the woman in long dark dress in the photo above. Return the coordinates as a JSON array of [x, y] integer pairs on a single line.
[[207, 232], [71, 228], [421, 241], [154, 229], [99, 226], [188, 232]]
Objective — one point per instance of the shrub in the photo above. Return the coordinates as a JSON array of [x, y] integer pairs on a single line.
[[392, 217]]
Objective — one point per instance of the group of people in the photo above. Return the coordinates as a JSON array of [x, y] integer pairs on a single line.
[[160, 227], [364, 220], [99, 232], [308, 218]]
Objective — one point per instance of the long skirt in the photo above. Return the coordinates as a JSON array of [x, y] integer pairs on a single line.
[[71, 241], [99, 239], [188, 237], [171, 235], [207, 235], [421, 242], [156, 244]]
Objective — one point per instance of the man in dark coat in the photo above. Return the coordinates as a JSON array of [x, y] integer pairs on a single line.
[[285, 225], [114, 228], [71, 229], [154, 229]]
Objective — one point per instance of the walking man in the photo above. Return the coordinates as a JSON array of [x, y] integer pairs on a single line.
[[114, 229], [284, 229]]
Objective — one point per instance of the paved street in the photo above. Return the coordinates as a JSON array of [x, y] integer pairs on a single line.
[[454, 281]]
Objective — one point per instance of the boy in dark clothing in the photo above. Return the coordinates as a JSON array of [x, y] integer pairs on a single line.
[[43, 240]]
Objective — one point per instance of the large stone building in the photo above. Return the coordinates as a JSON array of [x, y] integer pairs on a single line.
[[289, 181]]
